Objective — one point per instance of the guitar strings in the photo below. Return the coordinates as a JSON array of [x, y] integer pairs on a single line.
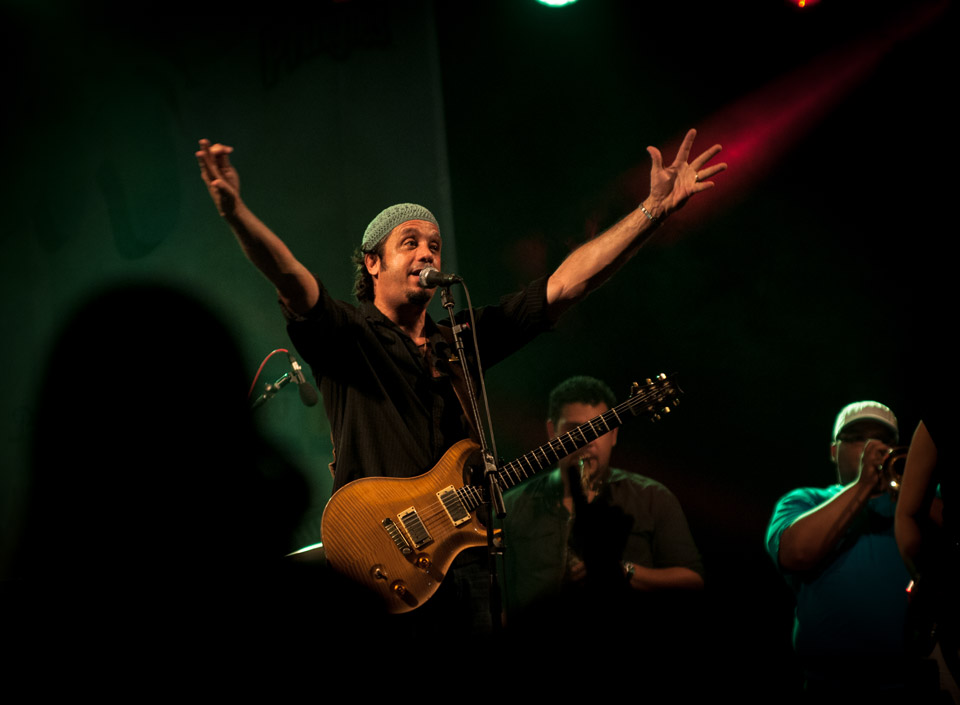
[[435, 516], [514, 472]]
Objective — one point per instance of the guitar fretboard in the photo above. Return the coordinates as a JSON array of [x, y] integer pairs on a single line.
[[651, 401]]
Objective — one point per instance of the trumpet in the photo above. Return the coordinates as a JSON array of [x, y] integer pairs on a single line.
[[891, 470], [588, 480]]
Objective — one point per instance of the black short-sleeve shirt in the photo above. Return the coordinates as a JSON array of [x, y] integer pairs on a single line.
[[391, 405]]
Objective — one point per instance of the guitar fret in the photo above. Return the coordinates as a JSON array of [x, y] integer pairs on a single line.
[[616, 416], [560, 441], [529, 471], [513, 474], [477, 495], [524, 457], [604, 421]]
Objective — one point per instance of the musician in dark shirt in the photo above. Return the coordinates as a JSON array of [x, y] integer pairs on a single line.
[[384, 373], [397, 245]]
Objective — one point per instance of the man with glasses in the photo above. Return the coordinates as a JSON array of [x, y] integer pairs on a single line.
[[835, 547]]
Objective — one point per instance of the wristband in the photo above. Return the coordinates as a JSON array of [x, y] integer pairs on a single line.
[[647, 213]]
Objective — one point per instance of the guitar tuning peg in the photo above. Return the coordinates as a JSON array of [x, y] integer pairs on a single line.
[[661, 376], [666, 409], [649, 381]]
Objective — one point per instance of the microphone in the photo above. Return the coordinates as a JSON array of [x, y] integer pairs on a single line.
[[308, 395], [430, 278]]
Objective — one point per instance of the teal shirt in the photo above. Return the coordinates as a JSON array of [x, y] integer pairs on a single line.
[[851, 609]]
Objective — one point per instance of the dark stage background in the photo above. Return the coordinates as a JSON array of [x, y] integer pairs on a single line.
[[808, 278]]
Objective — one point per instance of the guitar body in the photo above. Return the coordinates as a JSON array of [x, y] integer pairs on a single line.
[[372, 529], [398, 537]]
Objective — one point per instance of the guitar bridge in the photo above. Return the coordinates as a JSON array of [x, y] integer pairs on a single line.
[[414, 527], [451, 502], [394, 531]]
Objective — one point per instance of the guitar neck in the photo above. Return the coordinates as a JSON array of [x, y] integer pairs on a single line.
[[649, 401]]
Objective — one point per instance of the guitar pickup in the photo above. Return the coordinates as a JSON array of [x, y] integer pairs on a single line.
[[414, 527], [451, 502]]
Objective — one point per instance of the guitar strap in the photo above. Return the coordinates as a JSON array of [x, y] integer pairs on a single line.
[[458, 380], [332, 465]]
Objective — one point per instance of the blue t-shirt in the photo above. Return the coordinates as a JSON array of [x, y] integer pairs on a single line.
[[851, 608]]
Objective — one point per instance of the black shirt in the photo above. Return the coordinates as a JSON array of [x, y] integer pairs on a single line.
[[391, 406]]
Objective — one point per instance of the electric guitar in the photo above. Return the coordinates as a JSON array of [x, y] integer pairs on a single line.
[[398, 536]]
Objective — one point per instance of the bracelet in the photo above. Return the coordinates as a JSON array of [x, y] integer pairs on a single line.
[[628, 569], [647, 213]]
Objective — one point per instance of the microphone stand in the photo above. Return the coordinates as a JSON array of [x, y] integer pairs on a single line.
[[493, 497], [308, 395], [270, 390]]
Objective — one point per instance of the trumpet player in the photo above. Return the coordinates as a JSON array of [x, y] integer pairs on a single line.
[[836, 549]]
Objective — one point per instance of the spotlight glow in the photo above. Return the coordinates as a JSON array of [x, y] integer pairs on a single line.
[[757, 130]]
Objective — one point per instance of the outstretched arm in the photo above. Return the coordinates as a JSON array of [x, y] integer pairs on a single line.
[[591, 264], [295, 284], [809, 539]]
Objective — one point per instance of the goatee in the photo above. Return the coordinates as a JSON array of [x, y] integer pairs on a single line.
[[420, 297]]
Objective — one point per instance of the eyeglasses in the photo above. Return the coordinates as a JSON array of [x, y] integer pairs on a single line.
[[861, 437]]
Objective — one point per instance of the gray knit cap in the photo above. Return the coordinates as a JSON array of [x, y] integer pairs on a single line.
[[390, 218]]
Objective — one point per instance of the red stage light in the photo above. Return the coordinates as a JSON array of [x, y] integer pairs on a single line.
[[757, 130]]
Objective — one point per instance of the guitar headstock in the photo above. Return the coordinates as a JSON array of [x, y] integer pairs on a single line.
[[657, 397]]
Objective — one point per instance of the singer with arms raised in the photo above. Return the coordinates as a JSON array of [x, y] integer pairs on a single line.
[[382, 366]]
